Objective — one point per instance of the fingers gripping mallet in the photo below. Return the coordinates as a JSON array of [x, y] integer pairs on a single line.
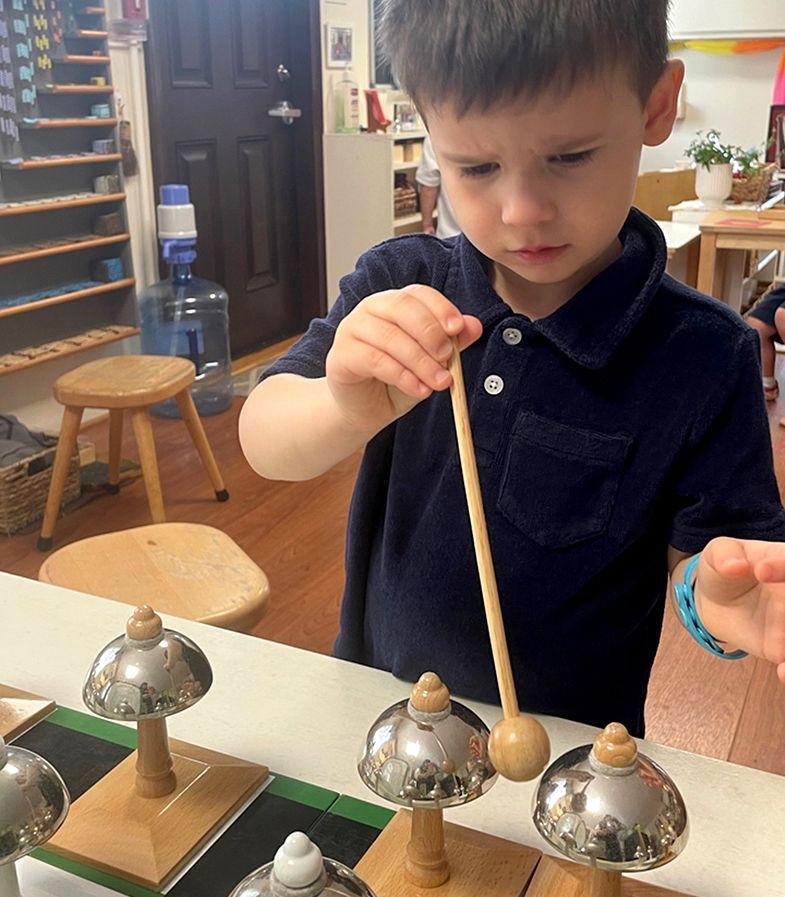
[[518, 746]]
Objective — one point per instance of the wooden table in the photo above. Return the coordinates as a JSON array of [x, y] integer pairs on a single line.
[[725, 234], [306, 715]]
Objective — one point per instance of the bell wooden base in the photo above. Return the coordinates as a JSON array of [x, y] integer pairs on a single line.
[[20, 710], [479, 863], [561, 878], [148, 840]]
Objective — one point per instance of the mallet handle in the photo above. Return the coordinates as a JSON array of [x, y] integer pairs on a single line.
[[482, 545]]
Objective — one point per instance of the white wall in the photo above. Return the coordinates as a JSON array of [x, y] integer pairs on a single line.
[[729, 93], [354, 13]]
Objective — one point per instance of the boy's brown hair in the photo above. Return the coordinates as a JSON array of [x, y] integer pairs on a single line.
[[474, 53]]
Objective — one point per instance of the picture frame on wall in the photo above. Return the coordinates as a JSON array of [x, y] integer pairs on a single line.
[[775, 151], [339, 45]]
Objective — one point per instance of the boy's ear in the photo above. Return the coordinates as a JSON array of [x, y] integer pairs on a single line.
[[660, 109]]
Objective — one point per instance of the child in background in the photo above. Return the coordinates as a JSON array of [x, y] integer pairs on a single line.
[[613, 410], [767, 317]]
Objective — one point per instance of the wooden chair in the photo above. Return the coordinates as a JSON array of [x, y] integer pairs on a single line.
[[184, 569], [119, 383], [656, 190]]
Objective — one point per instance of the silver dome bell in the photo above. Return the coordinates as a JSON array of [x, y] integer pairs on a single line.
[[427, 751], [606, 806], [148, 673], [34, 802]]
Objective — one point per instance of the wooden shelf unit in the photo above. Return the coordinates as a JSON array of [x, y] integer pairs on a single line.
[[92, 122], [61, 348], [62, 249], [51, 253], [111, 287], [363, 166], [51, 205]]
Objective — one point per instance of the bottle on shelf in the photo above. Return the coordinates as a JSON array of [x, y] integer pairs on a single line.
[[346, 105], [186, 315]]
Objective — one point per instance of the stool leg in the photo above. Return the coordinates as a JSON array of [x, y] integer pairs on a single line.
[[66, 445], [191, 417], [143, 431], [115, 449]]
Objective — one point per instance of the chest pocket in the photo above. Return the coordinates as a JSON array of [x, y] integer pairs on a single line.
[[560, 482]]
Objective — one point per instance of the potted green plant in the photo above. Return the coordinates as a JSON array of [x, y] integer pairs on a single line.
[[713, 167]]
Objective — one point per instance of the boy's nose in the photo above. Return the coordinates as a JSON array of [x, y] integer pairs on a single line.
[[527, 204]]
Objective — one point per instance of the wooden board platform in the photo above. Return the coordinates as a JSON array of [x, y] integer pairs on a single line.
[[561, 878], [479, 863], [147, 841], [19, 710]]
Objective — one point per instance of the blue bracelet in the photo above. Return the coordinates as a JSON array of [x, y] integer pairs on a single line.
[[685, 602]]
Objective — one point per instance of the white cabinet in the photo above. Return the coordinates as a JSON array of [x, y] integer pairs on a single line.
[[727, 19], [359, 210]]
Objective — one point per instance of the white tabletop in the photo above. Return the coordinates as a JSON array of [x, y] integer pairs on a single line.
[[306, 716], [678, 234]]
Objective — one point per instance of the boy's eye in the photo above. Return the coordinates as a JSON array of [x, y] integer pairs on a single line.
[[573, 159], [476, 171]]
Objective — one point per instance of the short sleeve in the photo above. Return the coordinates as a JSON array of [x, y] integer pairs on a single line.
[[726, 485], [428, 173], [373, 274]]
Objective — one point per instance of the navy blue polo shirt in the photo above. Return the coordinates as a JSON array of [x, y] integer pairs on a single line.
[[629, 419]]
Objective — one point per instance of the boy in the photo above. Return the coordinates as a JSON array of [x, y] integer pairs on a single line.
[[613, 409]]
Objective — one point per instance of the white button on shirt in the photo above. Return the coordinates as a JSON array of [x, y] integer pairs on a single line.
[[493, 384], [512, 336]]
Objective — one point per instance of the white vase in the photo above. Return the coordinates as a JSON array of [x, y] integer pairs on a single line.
[[714, 184]]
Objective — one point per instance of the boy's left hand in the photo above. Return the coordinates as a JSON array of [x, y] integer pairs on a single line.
[[740, 596]]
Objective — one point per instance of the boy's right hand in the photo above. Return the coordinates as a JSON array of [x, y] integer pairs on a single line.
[[391, 352]]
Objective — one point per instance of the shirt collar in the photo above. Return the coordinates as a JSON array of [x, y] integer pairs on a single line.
[[595, 321]]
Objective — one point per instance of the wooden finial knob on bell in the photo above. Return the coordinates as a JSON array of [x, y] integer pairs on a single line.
[[430, 694], [144, 623], [615, 747]]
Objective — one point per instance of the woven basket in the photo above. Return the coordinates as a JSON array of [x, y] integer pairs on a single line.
[[405, 200], [753, 189], [24, 487]]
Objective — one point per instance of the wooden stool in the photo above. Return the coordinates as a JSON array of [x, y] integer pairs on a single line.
[[134, 382], [185, 569]]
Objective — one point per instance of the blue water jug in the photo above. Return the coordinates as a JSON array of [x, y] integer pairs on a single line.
[[186, 315]]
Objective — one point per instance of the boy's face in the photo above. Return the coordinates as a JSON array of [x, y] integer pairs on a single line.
[[543, 186]]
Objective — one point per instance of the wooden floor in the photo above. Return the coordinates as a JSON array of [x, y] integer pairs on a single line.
[[295, 531]]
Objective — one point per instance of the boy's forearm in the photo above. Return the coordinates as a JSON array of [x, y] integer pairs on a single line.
[[291, 429]]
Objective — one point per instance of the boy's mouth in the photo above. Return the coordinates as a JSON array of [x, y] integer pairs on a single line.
[[540, 255]]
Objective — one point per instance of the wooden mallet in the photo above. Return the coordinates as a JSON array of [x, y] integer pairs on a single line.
[[519, 747]]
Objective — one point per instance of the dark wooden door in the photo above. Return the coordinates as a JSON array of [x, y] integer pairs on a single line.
[[214, 71]]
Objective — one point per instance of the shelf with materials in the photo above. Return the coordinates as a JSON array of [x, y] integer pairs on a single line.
[[76, 59], [28, 164], [13, 362], [86, 34], [111, 287], [50, 205], [88, 122], [55, 89], [69, 269], [365, 167], [76, 246]]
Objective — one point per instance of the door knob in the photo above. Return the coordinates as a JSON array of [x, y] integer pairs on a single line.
[[286, 111]]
